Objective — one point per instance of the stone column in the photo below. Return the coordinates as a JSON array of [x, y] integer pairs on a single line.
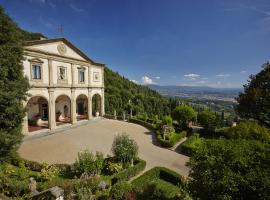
[[89, 104], [73, 107], [25, 121], [52, 121], [50, 72], [102, 102]]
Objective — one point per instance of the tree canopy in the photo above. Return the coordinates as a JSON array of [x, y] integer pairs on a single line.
[[208, 120], [184, 114], [254, 102], [230, 169], [13, 85]]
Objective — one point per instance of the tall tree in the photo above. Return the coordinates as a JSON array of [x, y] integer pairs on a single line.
[[254, 102], [184, 114], [13, 85]]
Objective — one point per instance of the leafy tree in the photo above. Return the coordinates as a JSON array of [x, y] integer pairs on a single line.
[[208, 120], [254, 102], [125, 149], [184, 114], [248, 130], [13, 85], [167, 120], [230, 169]]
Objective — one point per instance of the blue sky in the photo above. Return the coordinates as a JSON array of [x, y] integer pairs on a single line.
[[216, 43]]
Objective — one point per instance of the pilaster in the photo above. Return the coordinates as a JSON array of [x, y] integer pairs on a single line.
[[50, 72], [25, 121], [102, 102], [89, 104]]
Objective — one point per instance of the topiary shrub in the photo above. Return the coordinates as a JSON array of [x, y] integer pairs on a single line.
[[120, 190], [127, 174]]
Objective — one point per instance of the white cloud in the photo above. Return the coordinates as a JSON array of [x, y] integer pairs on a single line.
[[243, 72], [134, 81], [75, 8], [157, 77], [192, 75], [147, 80], [223, 75]]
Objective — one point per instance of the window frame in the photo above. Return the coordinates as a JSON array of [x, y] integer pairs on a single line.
[[62, 81], [79, 72]]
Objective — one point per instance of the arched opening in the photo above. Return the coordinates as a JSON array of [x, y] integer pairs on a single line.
[[62, 110], [96, 105], [82, 107], [37, 113]]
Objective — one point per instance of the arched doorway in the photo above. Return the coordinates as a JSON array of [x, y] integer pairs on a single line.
[[82, 107], [96, 105], [37, 113], [62, 110]]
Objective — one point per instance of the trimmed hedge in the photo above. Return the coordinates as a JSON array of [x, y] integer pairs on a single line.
[[173, 139], [127, 174], [142, 123], [159, 173], [191, 144]]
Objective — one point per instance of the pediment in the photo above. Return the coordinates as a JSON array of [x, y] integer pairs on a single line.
[[58, 47]]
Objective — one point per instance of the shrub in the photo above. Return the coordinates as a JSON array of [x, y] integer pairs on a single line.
[[230, 169], [248, 130], [120, 189], [171, 140], [48, 172], [167, 120], [127, 174], [191, 144], [142, 123], [114, 167], [124, 149], [89, 163]]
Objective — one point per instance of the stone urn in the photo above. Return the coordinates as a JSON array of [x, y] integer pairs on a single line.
[[97, 114]]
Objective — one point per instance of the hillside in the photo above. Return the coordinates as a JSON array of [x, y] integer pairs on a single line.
[[122, 94]]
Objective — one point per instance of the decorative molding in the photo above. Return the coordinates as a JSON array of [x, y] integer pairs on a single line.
[[35, 60], [62, 49]]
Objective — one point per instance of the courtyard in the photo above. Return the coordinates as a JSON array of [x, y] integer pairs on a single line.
[[63, 146]]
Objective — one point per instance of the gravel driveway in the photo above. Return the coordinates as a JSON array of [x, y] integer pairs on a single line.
[[62, 147]]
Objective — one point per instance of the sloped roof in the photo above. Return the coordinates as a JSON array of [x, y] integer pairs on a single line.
[[69, 44]]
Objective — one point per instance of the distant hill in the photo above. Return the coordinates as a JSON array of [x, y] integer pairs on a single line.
[[209, 93]]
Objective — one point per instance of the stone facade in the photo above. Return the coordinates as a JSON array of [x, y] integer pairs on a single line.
[[66, 85]]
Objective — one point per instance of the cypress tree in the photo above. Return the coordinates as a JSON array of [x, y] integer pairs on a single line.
[[13, 86]]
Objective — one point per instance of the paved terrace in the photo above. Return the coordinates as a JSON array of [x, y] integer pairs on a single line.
[[63, 146]]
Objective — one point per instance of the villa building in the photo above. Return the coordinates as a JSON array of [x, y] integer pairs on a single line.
[[66, 85]]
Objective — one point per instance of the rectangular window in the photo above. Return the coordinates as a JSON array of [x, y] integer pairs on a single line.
[[36, 71], [81, 75]]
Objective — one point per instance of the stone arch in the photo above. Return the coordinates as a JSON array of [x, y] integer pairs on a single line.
[[37, 113], [97, 105], [62, 109], [82, 107]]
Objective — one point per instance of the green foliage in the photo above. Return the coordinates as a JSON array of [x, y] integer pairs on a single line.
[[167, 120], [208, 120], [114, 167], [191, 144], [167, 184], [124, 149], [254, 102], [171, 139], [120, 189], [230, 169], [48, 172], [248, 130], [127, 174], [122, 94], [89, 163], [13, 86], [184, 114], [143, 123]]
